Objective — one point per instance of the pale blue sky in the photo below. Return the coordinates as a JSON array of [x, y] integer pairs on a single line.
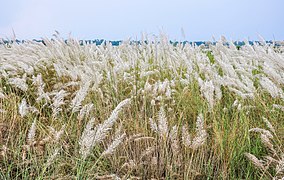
[[121, 19]]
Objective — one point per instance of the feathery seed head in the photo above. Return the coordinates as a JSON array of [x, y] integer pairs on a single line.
[[31, 133]]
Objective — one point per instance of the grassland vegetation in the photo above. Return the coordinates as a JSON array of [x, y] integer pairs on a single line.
[[141, 111]]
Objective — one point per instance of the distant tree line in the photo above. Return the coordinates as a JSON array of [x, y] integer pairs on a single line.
[[238, 44]]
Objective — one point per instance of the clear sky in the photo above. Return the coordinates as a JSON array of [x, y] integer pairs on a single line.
[[122, 19]]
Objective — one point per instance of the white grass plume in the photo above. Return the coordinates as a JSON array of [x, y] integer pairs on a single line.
[[162, 123], [56, 134], [153, 125], [85, 110], [31, 133], [42, 95], [258, 163], [201, 134], [269, 86], [102, 129], [162, 126], [174, 140], [23, 108], [262, 131], [112, 147], [277, 106], [37, 80], [207, 89], [266, 141], [52, 158], [186, 137], [90, 137], [200, 137], [80, 96], [86, 140], [58, 100], [19, 83], [2, 96], [269, 125]]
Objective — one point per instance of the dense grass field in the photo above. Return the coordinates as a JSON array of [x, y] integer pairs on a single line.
[[141, 111]]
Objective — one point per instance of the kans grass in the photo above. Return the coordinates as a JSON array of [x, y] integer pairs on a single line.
[[141, 111]]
